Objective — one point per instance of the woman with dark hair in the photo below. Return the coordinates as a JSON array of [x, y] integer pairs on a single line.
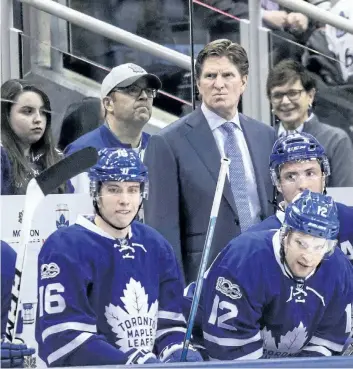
[[291, 90], [80, 118], [26, 140]]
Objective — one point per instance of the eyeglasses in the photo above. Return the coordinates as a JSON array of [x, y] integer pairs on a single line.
[[136, 91], [293, 95]]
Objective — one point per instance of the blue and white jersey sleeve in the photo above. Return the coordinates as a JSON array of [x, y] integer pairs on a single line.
[[8, 261], [336, 324], [233, 298], [332, 334], [345, 238], [66, 329], [171, 326]]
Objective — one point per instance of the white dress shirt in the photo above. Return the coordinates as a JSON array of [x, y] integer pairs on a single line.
[[299, 129], [215, 122]]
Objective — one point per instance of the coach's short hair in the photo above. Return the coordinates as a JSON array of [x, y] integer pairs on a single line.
[[223, 47]]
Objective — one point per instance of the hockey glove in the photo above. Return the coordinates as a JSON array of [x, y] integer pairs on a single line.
[[172, 354], [141, 356], [13, 354]]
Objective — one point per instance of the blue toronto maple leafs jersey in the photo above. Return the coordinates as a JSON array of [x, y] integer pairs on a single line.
[[345, 237], [253, 308], [101, 299], [100, 138], [8, 261]]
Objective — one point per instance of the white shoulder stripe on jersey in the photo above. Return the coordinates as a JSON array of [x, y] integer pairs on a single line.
[[161, 332], [72, 345], [231, 341], [162, 314], [329, 344], [75, 326], [252, 356], [322, 350]]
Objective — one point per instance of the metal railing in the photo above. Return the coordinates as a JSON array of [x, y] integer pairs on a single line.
[[255, 103], [110, 31], [253, 37]]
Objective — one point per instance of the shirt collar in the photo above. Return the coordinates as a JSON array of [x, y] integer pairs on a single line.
[[87, 221], [215, 121], [138, 148], [299, 129]]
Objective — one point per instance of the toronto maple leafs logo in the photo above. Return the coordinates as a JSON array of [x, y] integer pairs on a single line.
[[291, 343], [135, 68], [135, 324], [62, 216]]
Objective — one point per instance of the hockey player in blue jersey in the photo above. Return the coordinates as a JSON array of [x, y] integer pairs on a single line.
[[110, 290], [12, 354], [298, 162], [281, 293]]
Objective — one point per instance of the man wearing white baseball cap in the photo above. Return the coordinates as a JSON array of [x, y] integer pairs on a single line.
[[127, 94]]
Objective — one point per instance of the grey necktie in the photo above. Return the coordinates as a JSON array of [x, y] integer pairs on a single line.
[[237, 175]]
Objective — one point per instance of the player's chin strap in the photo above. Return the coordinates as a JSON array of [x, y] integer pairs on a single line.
[[274, 202]]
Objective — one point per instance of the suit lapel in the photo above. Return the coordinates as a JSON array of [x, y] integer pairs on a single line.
[[201, 139], [312, 126]]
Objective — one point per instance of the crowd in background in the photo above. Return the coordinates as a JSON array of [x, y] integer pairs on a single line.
[[183, 159]]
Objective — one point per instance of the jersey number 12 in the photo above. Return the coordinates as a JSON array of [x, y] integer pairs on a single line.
[[223, 305]]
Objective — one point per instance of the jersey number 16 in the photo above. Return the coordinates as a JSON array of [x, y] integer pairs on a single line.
[[50, 299]]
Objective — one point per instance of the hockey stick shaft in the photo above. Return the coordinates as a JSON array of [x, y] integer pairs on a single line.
[[37, 189], [225, 162]]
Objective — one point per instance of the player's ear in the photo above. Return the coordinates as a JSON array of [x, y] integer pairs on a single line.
[[285, 243], [278, 186]]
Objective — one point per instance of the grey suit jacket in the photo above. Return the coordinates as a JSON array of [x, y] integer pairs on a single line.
[[339, 150], [183, 162]]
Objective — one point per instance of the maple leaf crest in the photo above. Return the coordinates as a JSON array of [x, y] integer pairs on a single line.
[[293, 340], [268, 340], [62, 222], [290, 343], [136, 317]]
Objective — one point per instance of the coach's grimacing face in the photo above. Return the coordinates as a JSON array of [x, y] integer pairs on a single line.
[[221, 85]]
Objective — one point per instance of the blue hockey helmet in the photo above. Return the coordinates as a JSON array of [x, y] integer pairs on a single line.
[[121, 165], [297, 147], [313, 213]]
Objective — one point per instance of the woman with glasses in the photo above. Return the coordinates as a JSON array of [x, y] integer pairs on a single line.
[[127, 94], [291, 90], [26, 139]]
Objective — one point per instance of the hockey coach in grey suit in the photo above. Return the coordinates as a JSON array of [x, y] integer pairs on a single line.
[[184, 161]]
